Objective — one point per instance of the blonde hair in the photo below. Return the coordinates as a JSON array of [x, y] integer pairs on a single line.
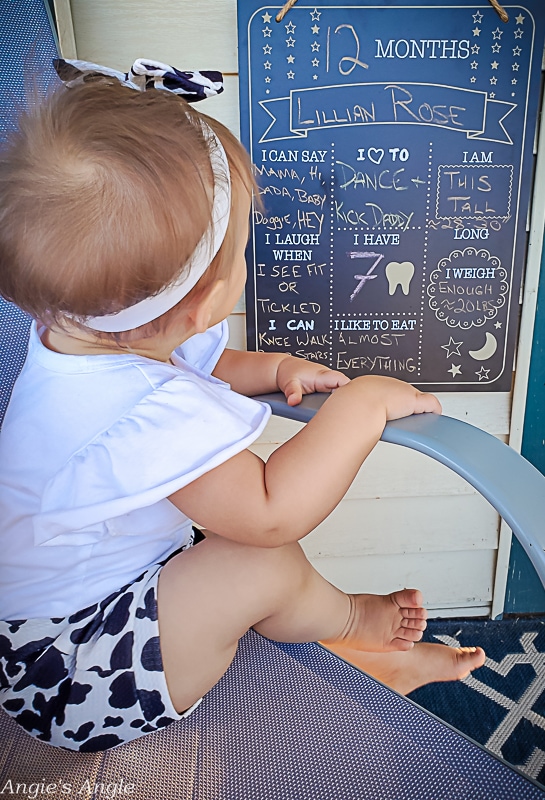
[[104, 194]]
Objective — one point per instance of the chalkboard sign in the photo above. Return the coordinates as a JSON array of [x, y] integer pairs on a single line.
[[393, 148]]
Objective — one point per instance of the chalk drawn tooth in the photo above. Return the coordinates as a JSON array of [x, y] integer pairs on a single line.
[[487, 350], [399, 273]]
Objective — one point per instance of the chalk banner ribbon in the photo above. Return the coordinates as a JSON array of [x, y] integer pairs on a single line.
[[464, 110]]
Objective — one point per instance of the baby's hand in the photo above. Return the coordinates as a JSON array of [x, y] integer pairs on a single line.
[[401, 399], [296, 377]]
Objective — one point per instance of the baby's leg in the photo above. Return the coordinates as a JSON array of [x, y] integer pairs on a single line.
[[210, 595], [425, 663]]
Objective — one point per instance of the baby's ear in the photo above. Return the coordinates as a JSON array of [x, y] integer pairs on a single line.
[[201, 311]]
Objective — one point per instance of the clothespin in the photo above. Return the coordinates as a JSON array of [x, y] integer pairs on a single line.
[[283, 11]]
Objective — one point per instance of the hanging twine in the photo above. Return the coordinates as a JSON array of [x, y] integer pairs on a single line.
[[494, 3], [283, 11], [500, 9]]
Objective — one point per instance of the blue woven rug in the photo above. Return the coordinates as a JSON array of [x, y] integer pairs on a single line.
[[501, 705]]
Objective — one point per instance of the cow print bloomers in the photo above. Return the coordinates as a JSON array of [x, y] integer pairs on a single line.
[[93, 680]]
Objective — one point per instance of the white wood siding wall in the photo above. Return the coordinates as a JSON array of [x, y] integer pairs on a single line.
[[406, 521]]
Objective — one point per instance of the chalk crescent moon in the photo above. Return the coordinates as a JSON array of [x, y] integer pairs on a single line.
[[487, 350]]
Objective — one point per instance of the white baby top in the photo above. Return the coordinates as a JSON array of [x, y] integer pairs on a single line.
[[90, 449]]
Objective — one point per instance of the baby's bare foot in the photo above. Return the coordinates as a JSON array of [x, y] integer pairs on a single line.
[[383, 623], [425, 663]]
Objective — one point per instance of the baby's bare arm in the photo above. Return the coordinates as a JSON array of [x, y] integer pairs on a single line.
[[260, 373], [278, 502], [249, 373]]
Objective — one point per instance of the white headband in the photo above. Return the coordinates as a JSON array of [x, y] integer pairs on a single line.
[[153, 307]]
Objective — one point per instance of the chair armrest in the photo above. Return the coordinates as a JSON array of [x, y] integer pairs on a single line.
[[514, 487]]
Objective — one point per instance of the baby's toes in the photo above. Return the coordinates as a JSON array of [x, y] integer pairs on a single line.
[[414, 613], [410, 634], [415, 624], [408, 598]]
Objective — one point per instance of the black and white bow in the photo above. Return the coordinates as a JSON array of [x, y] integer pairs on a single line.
[[145, 74]]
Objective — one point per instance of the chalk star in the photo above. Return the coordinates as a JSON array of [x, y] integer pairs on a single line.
[[492, 95], [315, 30], [517, 51], [497, 34], [518, 33], [476, 31], [267, 50], [452, 348], [314, 77], [315, 15], [266, 17], [496, 48], [474, 64], [455, 370], [290, 27], [472, 79], [493, 80], [475, 49], [314, 47], [315, 62], [494, 65], [478, 17], [515, 67], [290, 42], [267, 32], [290, 75], [267, 64], [514, 81], [290, 59], [483, 374], [267, 79], [497, 325], [519, 20]]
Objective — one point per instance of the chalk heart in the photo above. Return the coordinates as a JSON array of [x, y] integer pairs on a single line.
[[375, 154]]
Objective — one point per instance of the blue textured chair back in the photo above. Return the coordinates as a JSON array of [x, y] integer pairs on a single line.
[[27, 47], [287, 722]]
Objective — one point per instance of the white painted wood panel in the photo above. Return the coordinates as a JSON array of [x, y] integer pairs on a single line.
[[432, 573], [65, 28], [466, 611], [405, 525], [185, 34], [237, 331], [116, 33]]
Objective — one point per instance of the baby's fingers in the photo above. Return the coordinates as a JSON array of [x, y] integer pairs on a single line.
[[428, 403], [293, 391], [328, 380]]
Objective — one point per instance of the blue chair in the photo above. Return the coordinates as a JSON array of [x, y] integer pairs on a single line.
[[27, 46], [507, 480], [286, 721]]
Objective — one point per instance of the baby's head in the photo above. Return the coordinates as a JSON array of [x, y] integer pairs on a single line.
[[105, 195]]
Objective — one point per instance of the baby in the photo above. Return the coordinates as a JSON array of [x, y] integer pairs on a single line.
[[123, 226]]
